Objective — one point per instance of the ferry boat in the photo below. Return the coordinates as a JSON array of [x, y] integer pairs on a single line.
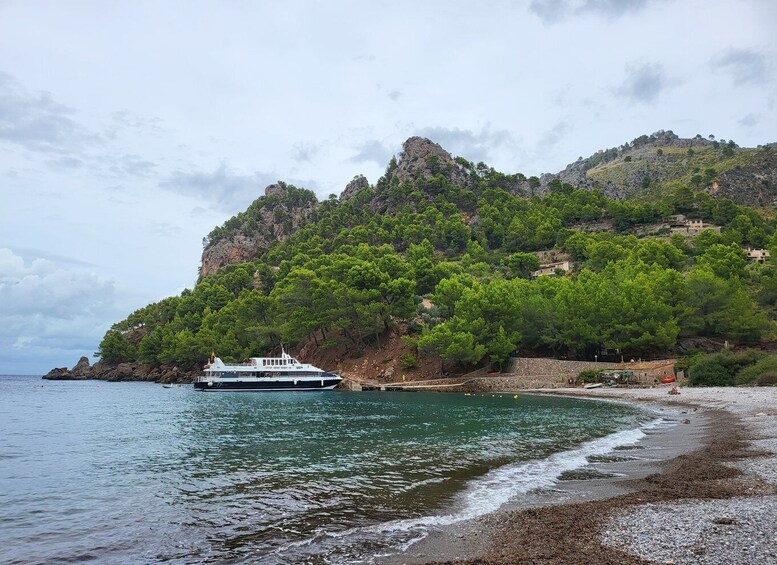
[[265, 374]]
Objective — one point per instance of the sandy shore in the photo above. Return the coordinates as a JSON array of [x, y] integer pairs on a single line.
[[702, 491]]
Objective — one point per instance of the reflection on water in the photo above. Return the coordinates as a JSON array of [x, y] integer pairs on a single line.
[[112, 471]]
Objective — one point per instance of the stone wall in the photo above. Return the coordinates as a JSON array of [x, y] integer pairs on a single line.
[[544, 373]]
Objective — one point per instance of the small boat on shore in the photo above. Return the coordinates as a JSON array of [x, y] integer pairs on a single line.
[[260, 374], [593, 385]]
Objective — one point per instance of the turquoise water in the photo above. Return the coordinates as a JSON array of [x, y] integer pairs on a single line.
[[120, 472]]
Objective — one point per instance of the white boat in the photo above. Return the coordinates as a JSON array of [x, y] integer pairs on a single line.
[[171, 385], [265, 374], [593, 385]]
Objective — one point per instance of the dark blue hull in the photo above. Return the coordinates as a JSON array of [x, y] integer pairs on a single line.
[[266, 385]]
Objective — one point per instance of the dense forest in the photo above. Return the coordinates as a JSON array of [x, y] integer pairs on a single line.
[[446, 258]]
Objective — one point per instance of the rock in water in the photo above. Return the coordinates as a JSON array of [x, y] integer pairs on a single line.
[[82, 370]]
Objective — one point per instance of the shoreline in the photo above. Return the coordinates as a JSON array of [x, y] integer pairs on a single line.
[[721, 451]]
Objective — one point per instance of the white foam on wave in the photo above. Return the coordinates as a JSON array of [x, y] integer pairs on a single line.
[[490, 492]]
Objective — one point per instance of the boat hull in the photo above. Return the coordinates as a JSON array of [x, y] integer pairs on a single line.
[[266, 385]]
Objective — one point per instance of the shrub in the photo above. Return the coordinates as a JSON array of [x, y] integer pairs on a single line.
[[765, 369], [722, 369], [588, 376], [409, 361], [711, 370]]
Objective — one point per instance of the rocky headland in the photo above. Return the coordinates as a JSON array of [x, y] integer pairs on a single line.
[[102, 371]]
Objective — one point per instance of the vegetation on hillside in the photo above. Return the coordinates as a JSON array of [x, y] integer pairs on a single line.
[[361, 266]]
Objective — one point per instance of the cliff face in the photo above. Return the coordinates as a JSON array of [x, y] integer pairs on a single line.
[[279, 213], [753, 185]]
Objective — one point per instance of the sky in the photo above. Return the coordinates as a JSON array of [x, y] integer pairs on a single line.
[[128, 130]]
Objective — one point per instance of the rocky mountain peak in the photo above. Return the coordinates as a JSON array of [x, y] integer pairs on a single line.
[[276, 189], [358, 183], [422, 158]]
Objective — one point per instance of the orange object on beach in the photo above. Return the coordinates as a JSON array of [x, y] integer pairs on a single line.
[[667, 380]]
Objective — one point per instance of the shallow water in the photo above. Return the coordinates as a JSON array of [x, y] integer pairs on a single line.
[[117, 472]]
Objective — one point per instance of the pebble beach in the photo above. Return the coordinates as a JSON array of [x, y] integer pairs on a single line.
[[703, 493]]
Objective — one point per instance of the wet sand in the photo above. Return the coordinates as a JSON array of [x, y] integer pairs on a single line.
[[720, 450]]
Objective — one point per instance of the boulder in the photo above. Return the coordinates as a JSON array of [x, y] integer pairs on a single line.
[[82, 370]]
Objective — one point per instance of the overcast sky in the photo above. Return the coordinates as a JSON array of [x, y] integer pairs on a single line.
[[128, 130]]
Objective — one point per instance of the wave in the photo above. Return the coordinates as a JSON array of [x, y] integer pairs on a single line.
[[490, 492]]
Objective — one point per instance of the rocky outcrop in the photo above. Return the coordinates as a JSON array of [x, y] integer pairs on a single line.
[[122, 372], [272, 218], [358, 183], [59, 374], [421, 158], [80, 371], [753, 185]]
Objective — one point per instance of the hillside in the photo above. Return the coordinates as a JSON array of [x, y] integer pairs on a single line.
[[663, 162], [434, 264]]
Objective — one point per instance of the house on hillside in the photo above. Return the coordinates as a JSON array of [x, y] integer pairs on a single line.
[[550, 268], [682, 225], [757, 255]]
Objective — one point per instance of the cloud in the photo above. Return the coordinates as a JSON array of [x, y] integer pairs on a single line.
[[554, 135], [30, 254], [395, 95], [224, 187], [745, 66], [131, 164], [554, 11], [643, 83], [749, 120], [475, 146], [41, 287], [51, 307], [305, 152], [227, 189], [375, 151], [37, 122], [126, 120]]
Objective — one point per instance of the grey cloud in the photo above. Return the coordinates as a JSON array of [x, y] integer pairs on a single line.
[[643, 83], [65, 163], [125, 119], [744, 65], [375, 151], [305, 151], [30, 254], [749, 120], [554, 135], [225, 188], [475, 146], [554, 11], [42, 288], [131, 164], [395, 95], [37, 122]]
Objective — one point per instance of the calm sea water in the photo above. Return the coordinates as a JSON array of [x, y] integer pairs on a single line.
[[133, 472]]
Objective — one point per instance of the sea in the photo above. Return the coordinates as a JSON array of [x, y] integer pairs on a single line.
[[137, 473]]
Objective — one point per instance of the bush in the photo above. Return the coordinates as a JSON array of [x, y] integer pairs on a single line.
[[722, 369], [767, 379], [409, 361], [765, 369], [588, 377]]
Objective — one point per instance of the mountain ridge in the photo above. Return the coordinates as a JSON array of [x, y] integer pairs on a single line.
[[636, 169]]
